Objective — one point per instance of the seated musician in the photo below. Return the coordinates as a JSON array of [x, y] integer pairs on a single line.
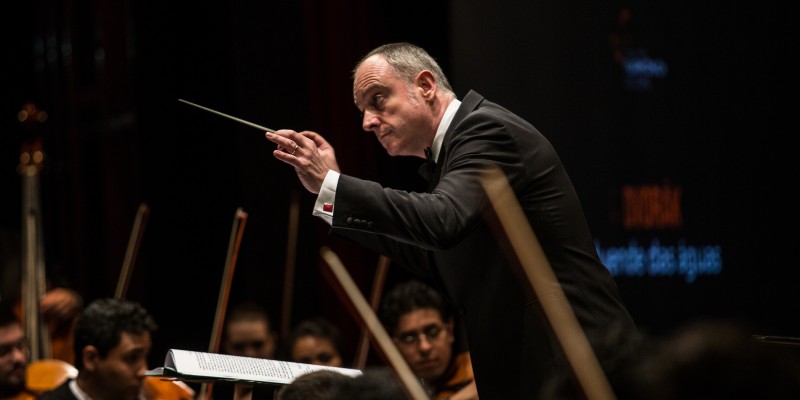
[[112, 343], [423, 328], [247, 333], [314, 341], [13, 355]]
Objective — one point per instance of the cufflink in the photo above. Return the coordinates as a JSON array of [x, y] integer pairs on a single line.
[[327, 207]]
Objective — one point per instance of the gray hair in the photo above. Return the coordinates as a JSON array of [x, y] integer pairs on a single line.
[[407, 60]]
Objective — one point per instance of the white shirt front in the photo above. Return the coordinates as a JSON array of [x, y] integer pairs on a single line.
[[81, 395]]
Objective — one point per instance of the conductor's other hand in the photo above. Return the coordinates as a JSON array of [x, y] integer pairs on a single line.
[[308, 152]]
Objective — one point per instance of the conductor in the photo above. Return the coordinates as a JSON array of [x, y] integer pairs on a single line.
[[443, 234]]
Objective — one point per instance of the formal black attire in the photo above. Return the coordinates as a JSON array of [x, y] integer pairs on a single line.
[[443, 235], [62, 392]]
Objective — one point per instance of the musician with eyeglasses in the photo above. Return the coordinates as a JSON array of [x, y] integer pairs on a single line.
[[423, 328]]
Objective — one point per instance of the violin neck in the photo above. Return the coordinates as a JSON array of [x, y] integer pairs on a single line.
[[33, 276]]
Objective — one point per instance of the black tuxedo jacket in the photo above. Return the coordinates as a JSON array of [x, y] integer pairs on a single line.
[[62, 392], [443, 235]]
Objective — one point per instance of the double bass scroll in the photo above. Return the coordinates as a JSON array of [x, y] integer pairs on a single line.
[[33, 272], [43, 372]]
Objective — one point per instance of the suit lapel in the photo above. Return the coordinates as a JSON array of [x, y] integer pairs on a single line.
[[471, 101]]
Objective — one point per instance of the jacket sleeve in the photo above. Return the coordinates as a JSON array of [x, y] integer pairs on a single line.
[[442, 218]]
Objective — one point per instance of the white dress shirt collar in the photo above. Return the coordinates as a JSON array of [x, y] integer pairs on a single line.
[[446, 120]]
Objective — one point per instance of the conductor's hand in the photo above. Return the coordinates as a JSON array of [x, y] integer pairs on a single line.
[[308, 152]]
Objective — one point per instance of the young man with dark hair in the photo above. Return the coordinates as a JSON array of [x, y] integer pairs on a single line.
[[423, 328], [112, 342]]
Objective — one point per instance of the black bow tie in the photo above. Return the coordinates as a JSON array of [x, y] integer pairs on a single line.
[[426, 170], [429, 156]]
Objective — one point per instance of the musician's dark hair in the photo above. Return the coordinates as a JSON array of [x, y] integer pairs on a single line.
[[317, 327], [378, 382], [102, 323], [248, 311], [316, 385], [409, 296]]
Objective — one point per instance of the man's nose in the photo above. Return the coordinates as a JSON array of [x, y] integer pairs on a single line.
[[424, 344], [370, 121], [19, 355], [142, 368], [250, 351]]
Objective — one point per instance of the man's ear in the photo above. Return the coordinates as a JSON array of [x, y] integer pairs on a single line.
[[427, 84], [91, 358], [449, 326]]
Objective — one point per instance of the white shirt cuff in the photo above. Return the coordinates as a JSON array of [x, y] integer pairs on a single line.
[[323, 207]]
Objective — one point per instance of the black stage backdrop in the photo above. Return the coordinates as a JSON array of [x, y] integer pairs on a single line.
[[667, 116]]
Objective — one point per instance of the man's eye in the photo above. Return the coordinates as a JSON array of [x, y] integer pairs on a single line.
[[132, 358], [432, 332], [377, 101]]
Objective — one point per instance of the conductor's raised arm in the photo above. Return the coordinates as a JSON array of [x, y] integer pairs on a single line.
[[308, 152]]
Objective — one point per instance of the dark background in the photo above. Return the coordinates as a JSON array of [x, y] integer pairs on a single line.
[[109, 76]]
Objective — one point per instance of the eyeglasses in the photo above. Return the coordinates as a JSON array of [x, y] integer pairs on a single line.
[[8, 349], [431, 333]]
